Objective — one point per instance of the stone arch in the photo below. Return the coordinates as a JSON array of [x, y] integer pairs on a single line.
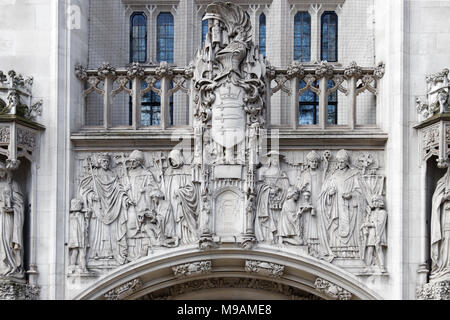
[[267, 272]]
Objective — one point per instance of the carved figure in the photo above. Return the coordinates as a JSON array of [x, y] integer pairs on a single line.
[[103, 194], [183, 197], [310, 184], [340, 204], [11, 226], [271, 196], [440, 230], [289, 222], [164, 216], [138, 182], [78, 236], [374, 234]]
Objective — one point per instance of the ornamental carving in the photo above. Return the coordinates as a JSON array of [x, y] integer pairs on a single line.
[[5, 135], [332, 290], [194, 268], [124, 290], [434, 291], [264, 268], [437, 96], [26, 138], [235, 283]]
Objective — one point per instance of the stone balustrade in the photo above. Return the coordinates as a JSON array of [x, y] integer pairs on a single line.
[[138, 80]]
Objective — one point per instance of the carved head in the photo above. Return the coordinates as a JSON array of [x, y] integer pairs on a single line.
[[136, 158], [293, 193], [273, 159], [307, 195], [103, 160], [377, 202], [343, 159], [313, 159], [176, 159]]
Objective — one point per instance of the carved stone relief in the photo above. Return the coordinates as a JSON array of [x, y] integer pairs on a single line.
[[266, 268], [235, 283], [437, 96], [332, 290], [194, 268], [124, 290]]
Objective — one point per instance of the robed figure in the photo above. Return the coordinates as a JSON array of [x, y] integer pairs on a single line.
[[11, 226], [104, 195], [340, 204], [440, 230], [272, 192], [139, 183], [183, 197]]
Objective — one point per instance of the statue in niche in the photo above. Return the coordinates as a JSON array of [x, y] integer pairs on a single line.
[[271, 196], [183, 197], [440, 230], [289, 223], [11, 229], [78, 237], [373, 232], [138, 183], [103, 194], [340, 204], [310, 184]]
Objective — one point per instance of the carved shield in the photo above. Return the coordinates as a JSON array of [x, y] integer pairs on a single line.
[[228, 116]]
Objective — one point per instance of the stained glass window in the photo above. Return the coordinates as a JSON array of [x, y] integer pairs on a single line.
[[165, 37], [302, 37], [262, 34], [329, 43], [138, 38]]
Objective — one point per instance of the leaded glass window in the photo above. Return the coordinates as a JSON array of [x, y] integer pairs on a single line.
[[302, 37], [138, 38], [262, 34], [309, 105], [205, 28], [329, 38], [165, 37], [151, 107]]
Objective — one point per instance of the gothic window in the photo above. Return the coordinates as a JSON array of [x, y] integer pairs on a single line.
[[302, 37], [151, 107], [138, 38], [329, 37], [165, 37], [205, 27], [262, 34], [309, 106]]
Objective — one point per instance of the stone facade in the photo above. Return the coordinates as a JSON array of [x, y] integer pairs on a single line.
[[234, 186]]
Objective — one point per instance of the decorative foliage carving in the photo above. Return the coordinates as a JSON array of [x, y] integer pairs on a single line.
[[194, 268], [124, 290], [235, 283], [260, 267], [332, 290], [5, 134], [26, 138]]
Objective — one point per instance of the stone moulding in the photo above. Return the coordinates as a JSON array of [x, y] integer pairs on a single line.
[[191, 269], [265, 268], [332, 290], [124, 290]]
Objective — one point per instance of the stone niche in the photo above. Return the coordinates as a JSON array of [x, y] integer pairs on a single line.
[[228, 213]]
